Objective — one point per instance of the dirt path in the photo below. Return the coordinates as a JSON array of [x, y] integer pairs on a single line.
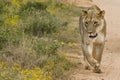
[[111, 57]]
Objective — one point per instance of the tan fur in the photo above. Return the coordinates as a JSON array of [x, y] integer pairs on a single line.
[[93, 32]]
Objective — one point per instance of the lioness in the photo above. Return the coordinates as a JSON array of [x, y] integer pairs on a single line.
[[93, 33]]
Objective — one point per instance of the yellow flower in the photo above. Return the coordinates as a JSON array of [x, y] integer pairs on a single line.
[[16, 3], [62, 43], [55, 40], [74, 44], [34, 74]]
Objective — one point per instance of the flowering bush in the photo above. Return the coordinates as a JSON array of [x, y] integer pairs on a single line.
[[16, 73]]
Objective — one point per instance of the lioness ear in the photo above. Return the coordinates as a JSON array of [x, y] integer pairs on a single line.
[[84, 12], [101, 14]]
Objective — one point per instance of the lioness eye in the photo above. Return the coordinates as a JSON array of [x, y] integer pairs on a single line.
[[95, 22], [86, 23]]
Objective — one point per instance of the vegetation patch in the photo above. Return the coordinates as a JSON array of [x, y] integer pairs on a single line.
[[32, 36]]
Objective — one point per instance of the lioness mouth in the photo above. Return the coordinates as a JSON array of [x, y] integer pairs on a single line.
[[93, 36]]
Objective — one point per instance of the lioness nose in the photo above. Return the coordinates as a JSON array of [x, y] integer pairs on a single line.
[[90, 32]]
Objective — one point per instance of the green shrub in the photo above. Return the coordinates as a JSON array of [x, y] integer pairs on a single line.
[[46, 46], [3, 39], [34, 5], [41, 23], [56, 66], [10, 37], [1, 8], [30, 7]]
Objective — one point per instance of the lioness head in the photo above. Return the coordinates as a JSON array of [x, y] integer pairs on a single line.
[[93, 20]]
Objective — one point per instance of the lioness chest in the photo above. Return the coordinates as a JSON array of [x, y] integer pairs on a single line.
[[99, 39]]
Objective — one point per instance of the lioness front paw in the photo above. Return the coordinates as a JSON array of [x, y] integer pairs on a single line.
[[97, 69]]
